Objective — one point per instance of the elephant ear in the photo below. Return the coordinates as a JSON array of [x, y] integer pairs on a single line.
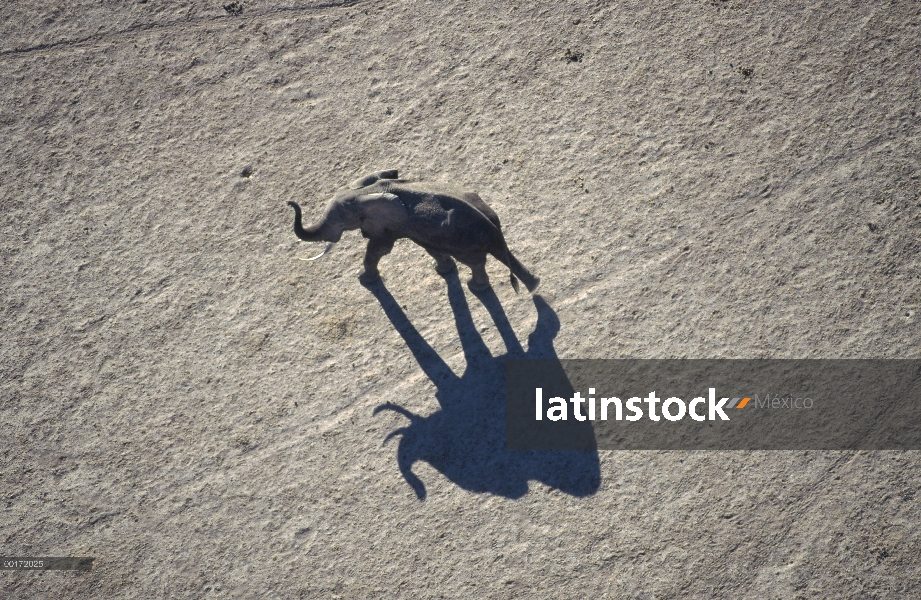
[[381, 213], [372, 178]]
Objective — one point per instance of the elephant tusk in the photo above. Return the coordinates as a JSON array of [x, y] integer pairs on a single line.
[[321, 254]]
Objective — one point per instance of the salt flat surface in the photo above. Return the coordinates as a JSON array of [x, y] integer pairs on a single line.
[[189, 403]]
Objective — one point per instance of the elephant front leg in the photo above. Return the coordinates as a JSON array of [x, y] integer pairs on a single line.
[[377, 249], [443, 264]]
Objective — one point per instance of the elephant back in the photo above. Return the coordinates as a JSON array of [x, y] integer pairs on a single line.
[[444, 219]]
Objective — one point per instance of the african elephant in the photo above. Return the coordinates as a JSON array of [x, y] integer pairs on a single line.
[[445, 220]]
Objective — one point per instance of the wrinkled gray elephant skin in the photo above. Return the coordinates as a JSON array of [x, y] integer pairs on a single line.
[[445, 220]]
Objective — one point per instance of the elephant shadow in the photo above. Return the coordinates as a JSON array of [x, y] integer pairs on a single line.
[[465, 439]]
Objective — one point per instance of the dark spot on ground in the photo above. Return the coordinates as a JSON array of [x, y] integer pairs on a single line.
[[246, 172], [573, 55], [234, 8]]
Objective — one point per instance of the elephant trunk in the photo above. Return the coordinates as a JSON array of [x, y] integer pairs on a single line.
[[314, 233], [321, 232]]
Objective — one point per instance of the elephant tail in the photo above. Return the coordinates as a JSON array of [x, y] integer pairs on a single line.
[[504, 255], [517, 271], [508, 261]]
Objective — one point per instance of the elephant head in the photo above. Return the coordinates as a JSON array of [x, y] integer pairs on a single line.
[[328, 229], [347, 211]]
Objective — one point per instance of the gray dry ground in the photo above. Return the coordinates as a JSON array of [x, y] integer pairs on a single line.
[[190, 404]]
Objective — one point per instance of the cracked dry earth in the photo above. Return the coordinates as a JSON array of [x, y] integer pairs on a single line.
[[188, 403]]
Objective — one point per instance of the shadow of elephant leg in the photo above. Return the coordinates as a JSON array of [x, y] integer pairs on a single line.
[[472, 343], [377, 249], [444, 264], [489, 300], [429, 360]]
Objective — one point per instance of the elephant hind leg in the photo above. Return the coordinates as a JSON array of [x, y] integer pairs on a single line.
[[477, 264], [480, 280], [443, 264], [377, 249]]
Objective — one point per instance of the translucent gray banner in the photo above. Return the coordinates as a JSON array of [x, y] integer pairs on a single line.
[[46, 563], [711, 404]]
